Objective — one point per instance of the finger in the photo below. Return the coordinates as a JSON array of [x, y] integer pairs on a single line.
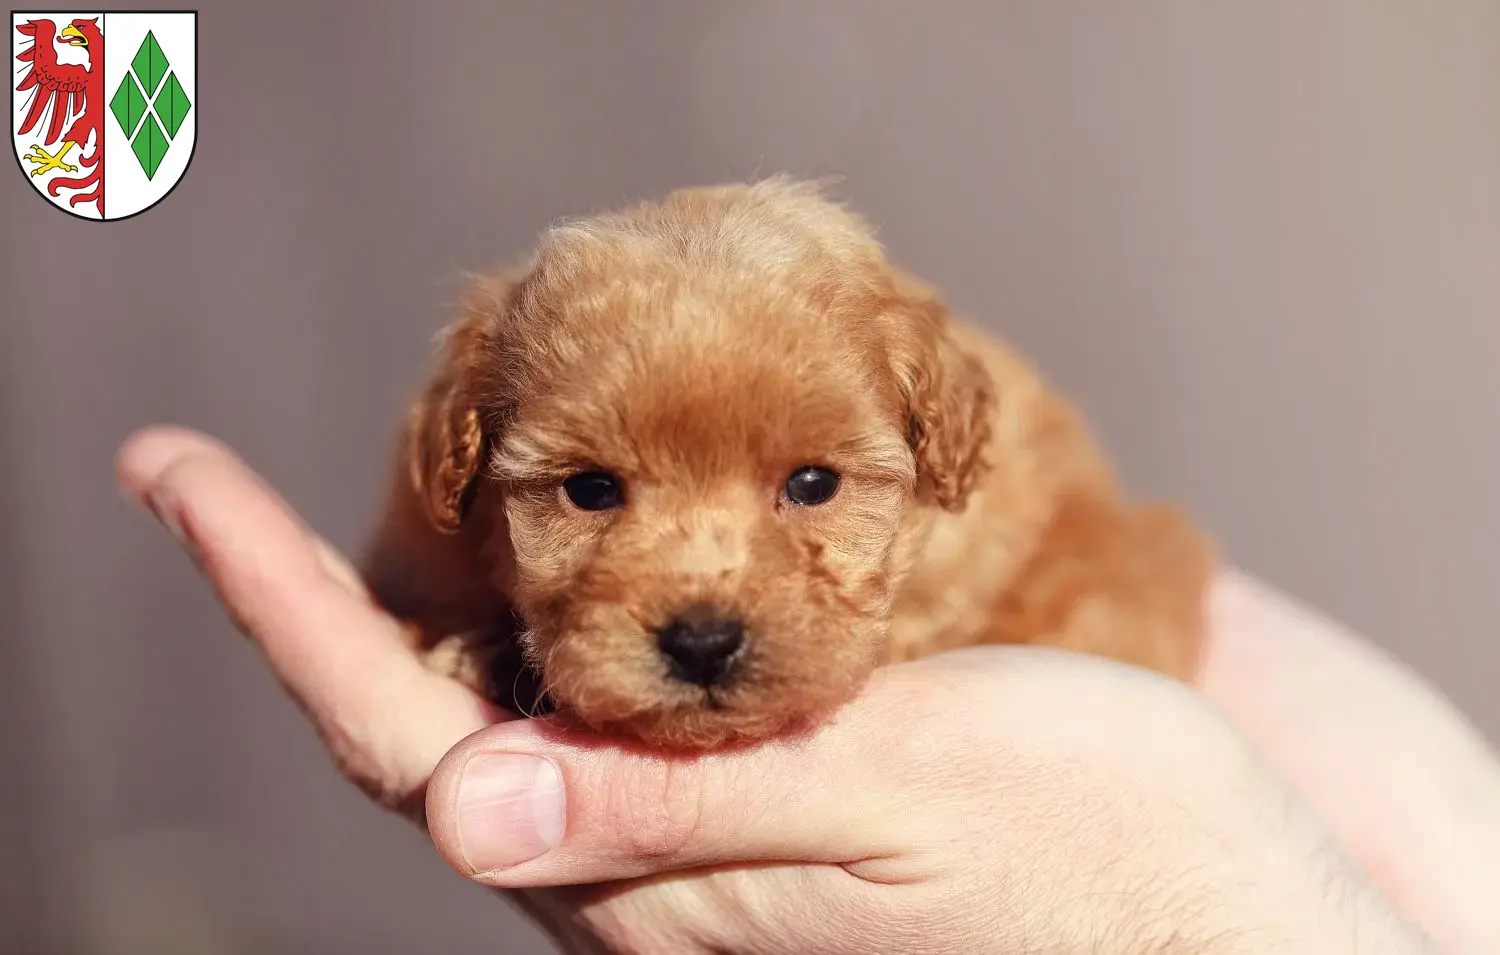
[[528, 805], [879, 790], [386, 719], [270, 574], [1401, 778], [338, 568], [149, 453], [525, 805]]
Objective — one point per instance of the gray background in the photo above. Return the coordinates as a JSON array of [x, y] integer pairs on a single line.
[[1260, 242]]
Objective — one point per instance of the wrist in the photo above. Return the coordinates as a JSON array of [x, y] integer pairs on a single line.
[[1193, 847], [1290, 896]]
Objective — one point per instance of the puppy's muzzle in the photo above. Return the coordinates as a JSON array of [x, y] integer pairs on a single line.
[[702, 646]]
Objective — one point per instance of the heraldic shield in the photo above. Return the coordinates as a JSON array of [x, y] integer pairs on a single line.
[[104, 107]]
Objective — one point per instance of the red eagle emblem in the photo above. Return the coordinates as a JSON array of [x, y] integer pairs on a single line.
[[75, 95]]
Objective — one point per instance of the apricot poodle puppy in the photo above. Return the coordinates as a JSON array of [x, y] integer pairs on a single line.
[[703, 464]]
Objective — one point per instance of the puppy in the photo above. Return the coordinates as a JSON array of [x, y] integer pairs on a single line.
[[703, 464]]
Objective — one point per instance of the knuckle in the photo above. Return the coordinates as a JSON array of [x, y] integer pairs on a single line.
[[658, 809]]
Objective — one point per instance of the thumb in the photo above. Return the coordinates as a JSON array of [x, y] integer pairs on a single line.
[[526, 805]]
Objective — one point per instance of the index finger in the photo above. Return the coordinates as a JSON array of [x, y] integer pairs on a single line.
[[385, 718]]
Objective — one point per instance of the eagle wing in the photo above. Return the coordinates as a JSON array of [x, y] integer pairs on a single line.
[[62, 85]]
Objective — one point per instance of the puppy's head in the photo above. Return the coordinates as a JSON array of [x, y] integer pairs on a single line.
[[704, 422]]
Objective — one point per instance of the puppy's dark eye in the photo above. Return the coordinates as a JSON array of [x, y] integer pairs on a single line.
[[811, 485], [594, 490]]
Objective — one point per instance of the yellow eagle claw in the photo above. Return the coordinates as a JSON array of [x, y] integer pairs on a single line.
[[47, 161]]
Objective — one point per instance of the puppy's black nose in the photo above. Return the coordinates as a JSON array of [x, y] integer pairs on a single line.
[[701, 646]]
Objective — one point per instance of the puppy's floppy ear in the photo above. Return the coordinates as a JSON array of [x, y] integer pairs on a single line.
[[446, 439], [949, 396]]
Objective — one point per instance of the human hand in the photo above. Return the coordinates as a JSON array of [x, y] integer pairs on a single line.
[[980, 801]]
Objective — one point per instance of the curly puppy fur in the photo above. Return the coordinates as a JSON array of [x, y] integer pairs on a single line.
[[702, 349]]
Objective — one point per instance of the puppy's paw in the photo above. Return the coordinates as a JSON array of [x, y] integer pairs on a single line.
[[460, 657], [494, 670]]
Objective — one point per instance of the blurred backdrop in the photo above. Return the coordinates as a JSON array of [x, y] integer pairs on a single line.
[[1260, 242]]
